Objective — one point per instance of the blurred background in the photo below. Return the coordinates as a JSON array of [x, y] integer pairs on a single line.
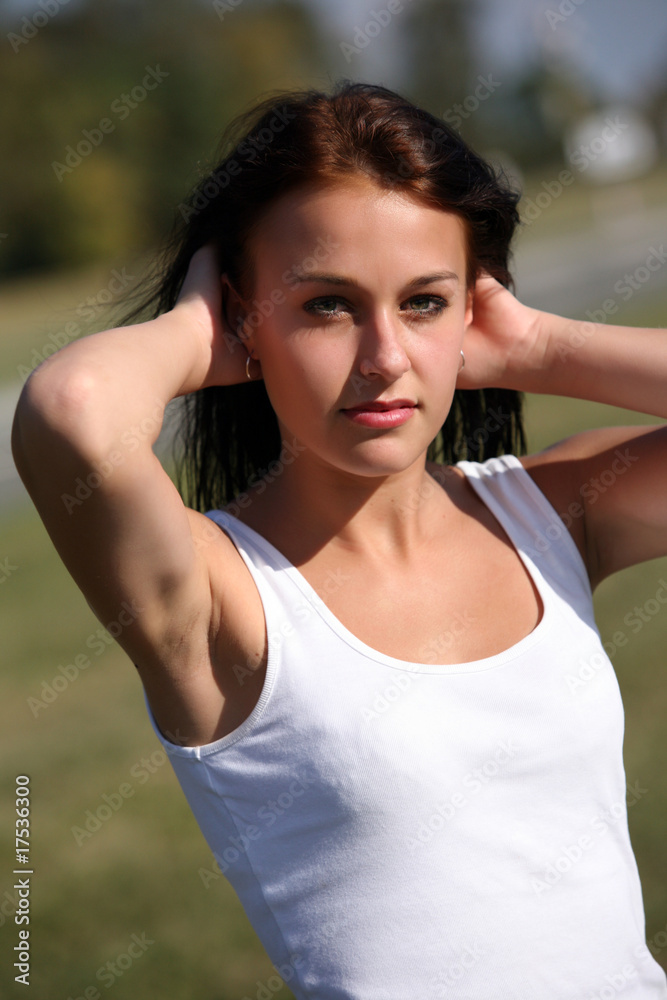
[[110, 110]]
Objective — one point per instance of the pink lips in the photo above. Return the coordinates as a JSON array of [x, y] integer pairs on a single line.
[[381, 413]]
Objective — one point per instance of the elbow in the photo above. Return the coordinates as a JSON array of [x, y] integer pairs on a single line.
[[50, 411]]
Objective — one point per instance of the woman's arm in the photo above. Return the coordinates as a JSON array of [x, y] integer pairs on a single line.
[[82, 441], [609, 485]]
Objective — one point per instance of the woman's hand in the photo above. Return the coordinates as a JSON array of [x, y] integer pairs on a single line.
[[511, 346], [503, 344], [200, 305]]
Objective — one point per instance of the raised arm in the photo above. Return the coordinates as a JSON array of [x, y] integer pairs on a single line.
[[82, 441], [609, 485]]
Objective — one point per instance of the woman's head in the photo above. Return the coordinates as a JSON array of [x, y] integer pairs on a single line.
[[378, 316], [309, 141], [309, 138]]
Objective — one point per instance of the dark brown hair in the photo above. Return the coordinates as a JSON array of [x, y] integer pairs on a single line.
[[230, 434]]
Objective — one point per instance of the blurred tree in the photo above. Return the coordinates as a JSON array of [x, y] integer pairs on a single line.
[[527, 117], [439, 53], [95, 162], [521, 115]]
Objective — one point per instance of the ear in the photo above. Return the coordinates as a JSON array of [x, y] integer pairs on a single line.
[[234, 311], [470, 295]]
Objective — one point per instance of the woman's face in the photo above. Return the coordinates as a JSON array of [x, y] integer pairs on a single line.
[[360, 298]]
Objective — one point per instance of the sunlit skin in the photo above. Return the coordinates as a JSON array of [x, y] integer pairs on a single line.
[[381, 317]]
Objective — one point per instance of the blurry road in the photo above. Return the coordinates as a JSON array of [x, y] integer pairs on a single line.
[[582, 271], [598, 270]]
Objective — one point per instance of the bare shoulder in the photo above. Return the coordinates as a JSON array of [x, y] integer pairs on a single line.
[[577, 475], [563, 469]]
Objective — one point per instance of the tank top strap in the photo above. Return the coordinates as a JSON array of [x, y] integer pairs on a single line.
[[268, 567], [533, 526]]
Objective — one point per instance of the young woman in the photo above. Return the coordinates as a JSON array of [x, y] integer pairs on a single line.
[[362, 667]]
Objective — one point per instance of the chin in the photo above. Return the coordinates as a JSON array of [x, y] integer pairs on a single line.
[[382, 461]]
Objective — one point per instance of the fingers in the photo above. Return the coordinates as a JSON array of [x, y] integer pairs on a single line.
[[486, 283], [202, 280], [203, 268]]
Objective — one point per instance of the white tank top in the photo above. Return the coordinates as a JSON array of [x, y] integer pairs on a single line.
[[400, 830]]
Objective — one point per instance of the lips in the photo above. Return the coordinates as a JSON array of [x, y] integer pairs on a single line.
[[381, 414], [379, 405]]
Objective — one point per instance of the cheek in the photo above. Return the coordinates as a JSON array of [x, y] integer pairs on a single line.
[[303, 370], [436, 355]]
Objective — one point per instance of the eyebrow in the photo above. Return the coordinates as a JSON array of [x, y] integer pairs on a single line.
[[339, 279]]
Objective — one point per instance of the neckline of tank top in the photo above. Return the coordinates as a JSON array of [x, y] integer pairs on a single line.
[[512, 652]]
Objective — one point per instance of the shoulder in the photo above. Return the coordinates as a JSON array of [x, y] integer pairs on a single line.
[[611, 483], [556, 472], [564, 470], [577, 475]]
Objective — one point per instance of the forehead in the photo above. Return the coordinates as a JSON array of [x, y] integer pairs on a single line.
[[356, 224]]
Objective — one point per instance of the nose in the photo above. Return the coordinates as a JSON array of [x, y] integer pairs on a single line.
[[383, 352]]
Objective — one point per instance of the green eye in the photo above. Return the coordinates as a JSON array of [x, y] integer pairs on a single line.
[[419, 306], [426, 305], [325, 307]]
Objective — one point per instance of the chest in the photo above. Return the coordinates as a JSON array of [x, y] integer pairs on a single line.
[[464, 599]]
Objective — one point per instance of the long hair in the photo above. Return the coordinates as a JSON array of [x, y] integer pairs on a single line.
[[230, 434]]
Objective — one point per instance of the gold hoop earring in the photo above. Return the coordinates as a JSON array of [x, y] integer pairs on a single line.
[[247, 370], [463, 362]]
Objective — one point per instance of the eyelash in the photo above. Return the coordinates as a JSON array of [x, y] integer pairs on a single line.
[[315, 306]]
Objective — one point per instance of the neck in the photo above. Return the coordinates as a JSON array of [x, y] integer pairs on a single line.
[[311, 504]]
